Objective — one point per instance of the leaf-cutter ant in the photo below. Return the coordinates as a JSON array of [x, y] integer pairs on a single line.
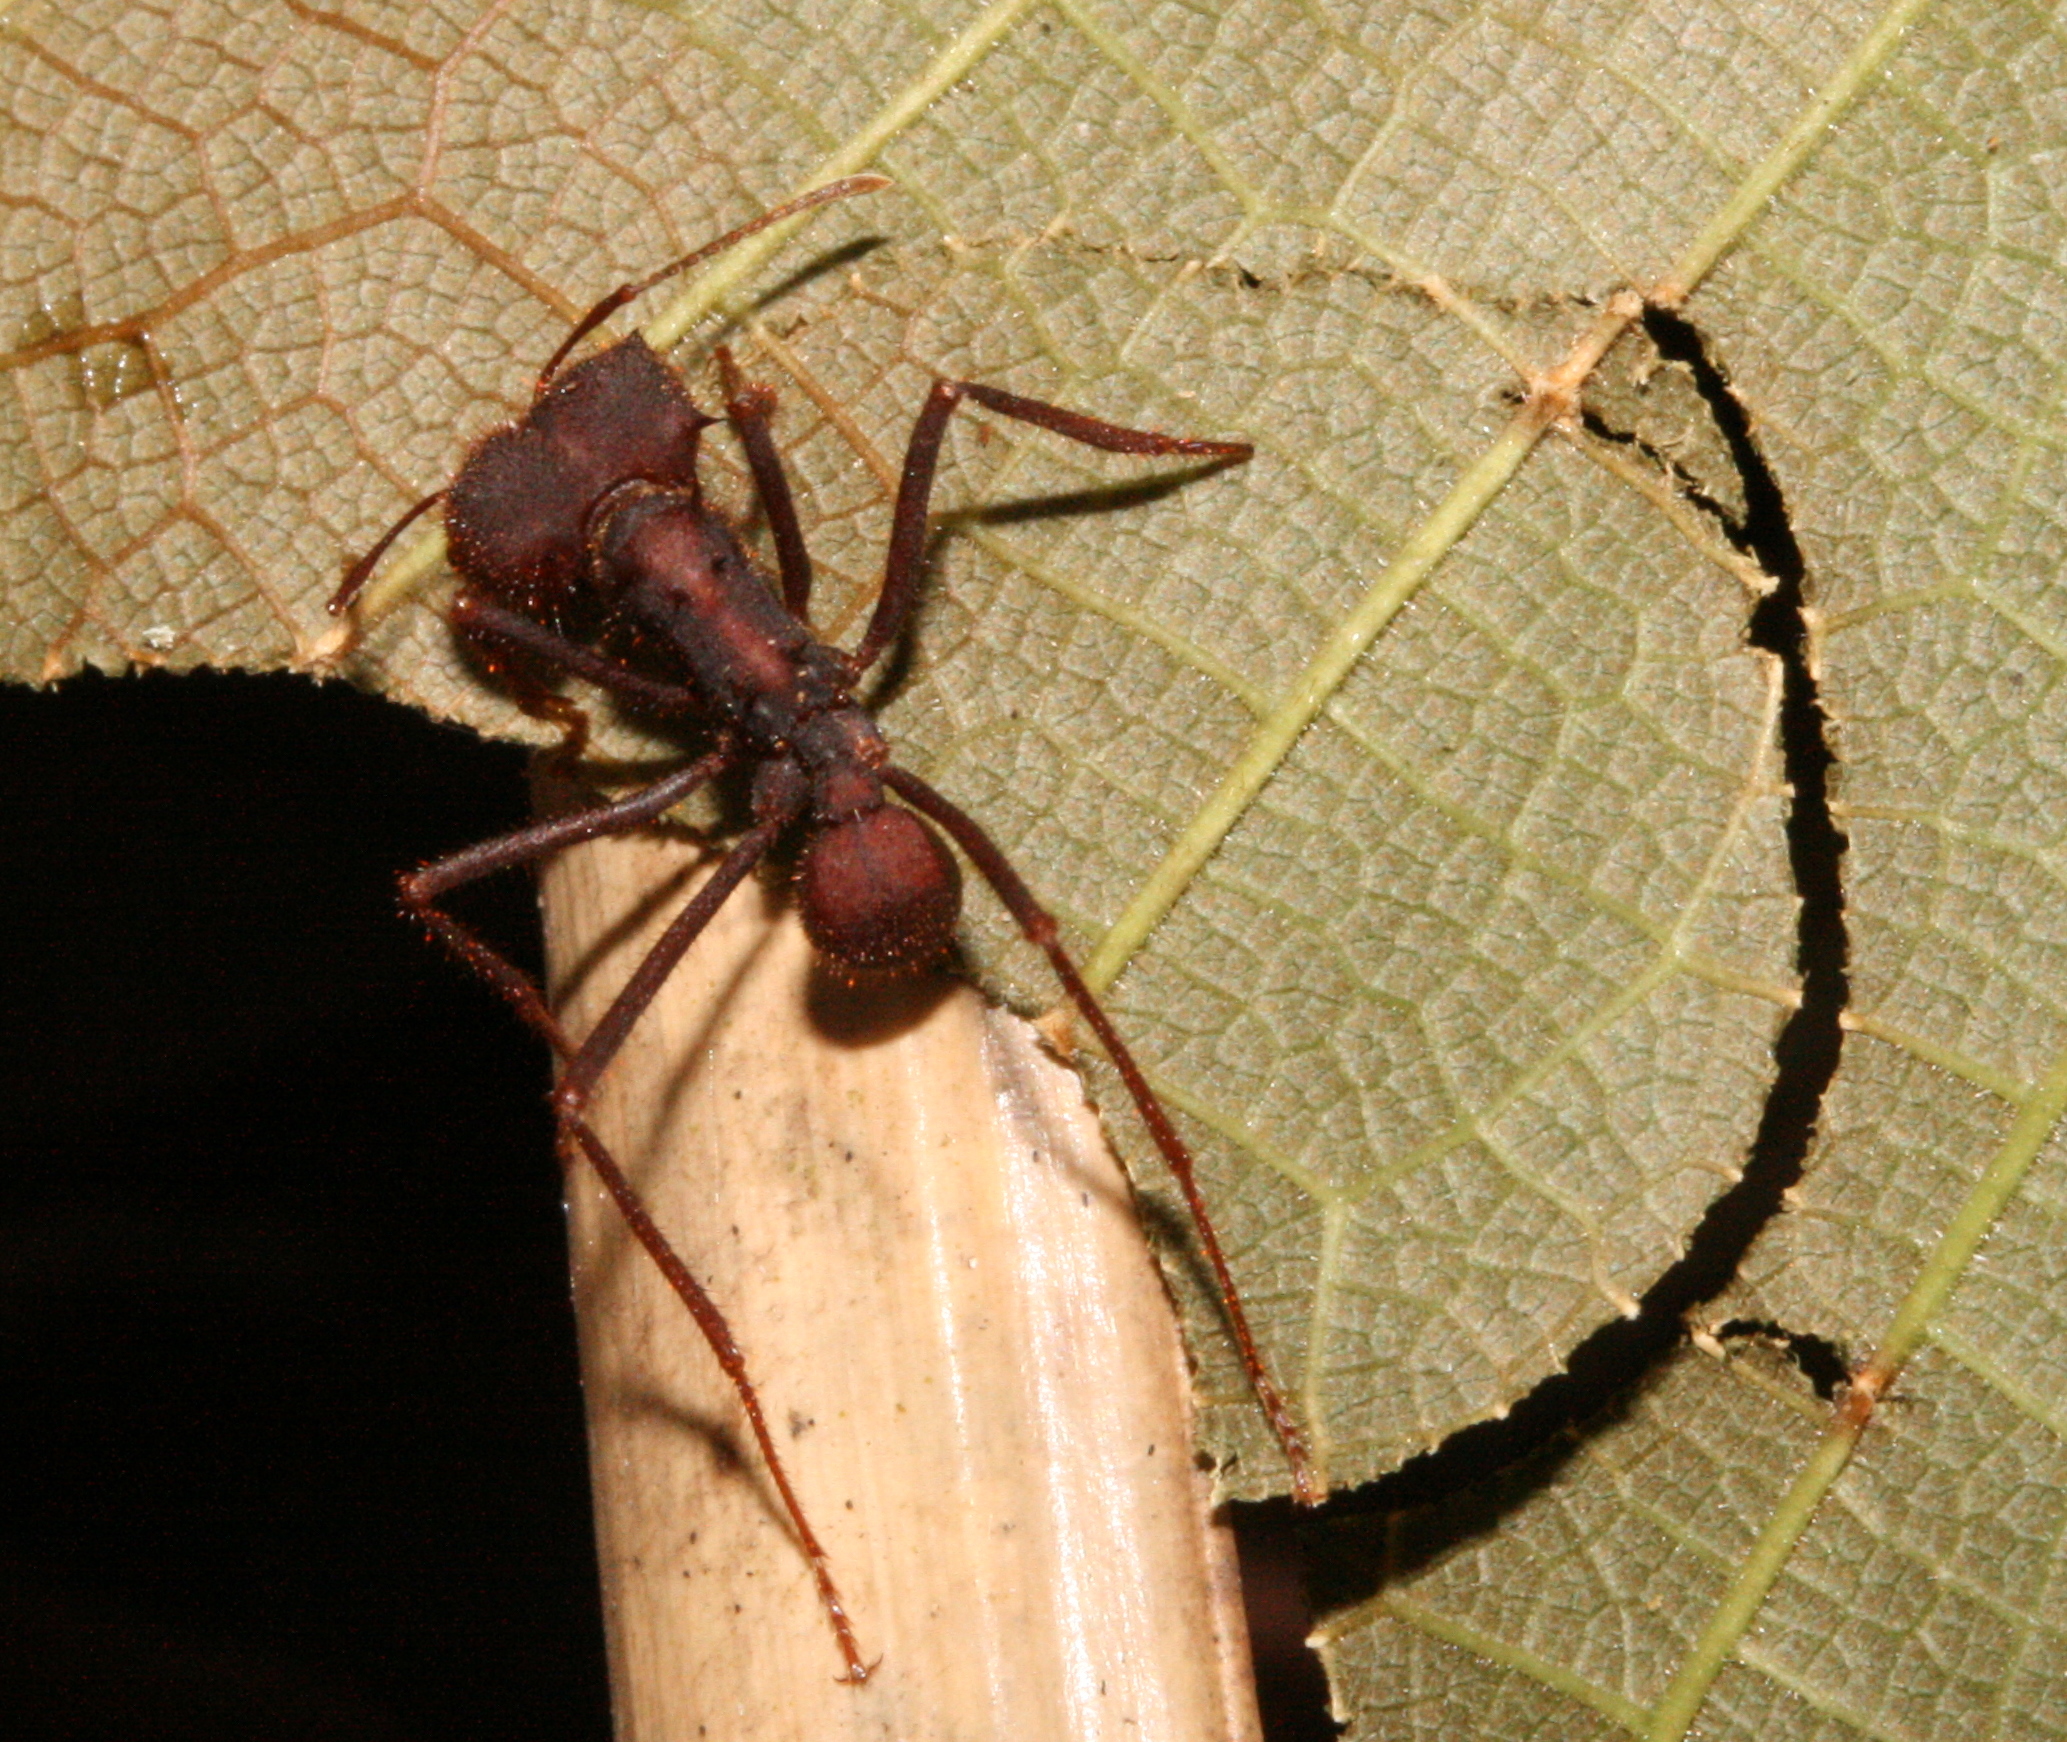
[[588, 507]]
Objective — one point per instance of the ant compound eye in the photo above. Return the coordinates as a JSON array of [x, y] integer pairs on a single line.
[[880, 890], [514, 523]]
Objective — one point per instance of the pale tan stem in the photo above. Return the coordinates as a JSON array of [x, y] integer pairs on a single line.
[[932, 1264]]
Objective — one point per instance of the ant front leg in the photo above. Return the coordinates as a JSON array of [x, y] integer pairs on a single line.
[[512, 645], [497, 631], [904, 568], [750, 407]]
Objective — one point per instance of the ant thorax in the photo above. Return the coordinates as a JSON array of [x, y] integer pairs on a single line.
[[675, 574]]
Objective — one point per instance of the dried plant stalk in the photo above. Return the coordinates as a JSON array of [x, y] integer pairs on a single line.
[[932, 1262]]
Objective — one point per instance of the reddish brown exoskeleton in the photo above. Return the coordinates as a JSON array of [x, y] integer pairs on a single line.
[[589, 507]]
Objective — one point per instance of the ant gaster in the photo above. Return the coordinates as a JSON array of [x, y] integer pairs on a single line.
[[589, 506]]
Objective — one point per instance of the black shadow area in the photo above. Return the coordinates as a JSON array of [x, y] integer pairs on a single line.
[[296, 1445]]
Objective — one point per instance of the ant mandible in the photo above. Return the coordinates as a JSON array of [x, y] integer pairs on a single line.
[[589, 504]]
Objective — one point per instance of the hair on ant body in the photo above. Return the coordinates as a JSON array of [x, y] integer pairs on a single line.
[[582, 527]]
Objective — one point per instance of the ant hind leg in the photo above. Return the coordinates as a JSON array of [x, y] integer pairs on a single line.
[[578, 1081], [710, 1320], [1039, 928]]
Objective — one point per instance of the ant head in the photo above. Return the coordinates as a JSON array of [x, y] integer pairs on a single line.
[[879, 891], [517, 516], [514, 523]]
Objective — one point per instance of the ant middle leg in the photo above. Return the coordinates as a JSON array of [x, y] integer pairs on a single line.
[[578, 1080], [904, 567], [422, 887]]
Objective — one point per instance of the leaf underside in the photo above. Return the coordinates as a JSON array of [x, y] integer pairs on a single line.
[[1417, 776]]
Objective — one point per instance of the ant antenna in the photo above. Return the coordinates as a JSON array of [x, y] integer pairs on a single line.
[[844, 189], [356, 577]]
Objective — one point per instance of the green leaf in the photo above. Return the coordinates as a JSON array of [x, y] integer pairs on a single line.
[[1411, 788]]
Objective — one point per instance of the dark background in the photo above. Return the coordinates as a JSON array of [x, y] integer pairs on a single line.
[[297, 1446]]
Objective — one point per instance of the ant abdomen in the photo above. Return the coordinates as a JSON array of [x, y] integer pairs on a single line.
[[879, 891]]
